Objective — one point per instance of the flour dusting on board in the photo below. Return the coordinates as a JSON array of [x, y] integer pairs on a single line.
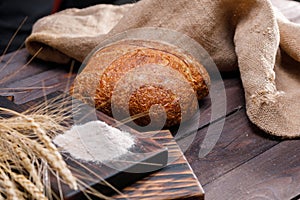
[[95, 141]]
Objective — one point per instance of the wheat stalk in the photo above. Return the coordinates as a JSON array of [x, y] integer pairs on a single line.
[[30, 187], [28, 166], [24, 138], [9, 188]]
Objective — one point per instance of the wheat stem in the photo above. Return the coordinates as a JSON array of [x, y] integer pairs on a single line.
[[48, 151], [27, 164], [21, 68], [13, 37], [34, 191], [9, 186]]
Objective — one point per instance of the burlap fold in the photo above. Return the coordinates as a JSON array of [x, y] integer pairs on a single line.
[[249, 34]]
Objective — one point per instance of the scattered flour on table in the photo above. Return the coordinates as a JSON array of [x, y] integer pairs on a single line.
[[95, 141]]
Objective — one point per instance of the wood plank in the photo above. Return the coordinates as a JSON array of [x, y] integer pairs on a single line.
[[274, 174], [15, 69], [239, 142], [25, 82], [19, 56], [234, 100], [20, 68], [176, 181], [38, 85], [5, 103]]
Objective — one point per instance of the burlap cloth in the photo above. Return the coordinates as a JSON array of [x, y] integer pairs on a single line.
[[249, 34]]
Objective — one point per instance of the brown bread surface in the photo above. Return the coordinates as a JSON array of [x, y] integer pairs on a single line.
[[133, 75]]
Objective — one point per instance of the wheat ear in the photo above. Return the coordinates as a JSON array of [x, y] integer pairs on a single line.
[[10, 188], [35, 192], [27, 164], [50, 153]]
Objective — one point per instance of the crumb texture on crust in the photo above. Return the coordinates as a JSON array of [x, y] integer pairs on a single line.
[[141, 74]]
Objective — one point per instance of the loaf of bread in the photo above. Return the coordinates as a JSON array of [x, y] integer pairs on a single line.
[[130, 77]]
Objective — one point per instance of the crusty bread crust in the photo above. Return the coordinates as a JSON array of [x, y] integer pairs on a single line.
[[167, 66]]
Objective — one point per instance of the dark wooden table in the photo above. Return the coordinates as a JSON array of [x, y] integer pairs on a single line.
[[244, 164]]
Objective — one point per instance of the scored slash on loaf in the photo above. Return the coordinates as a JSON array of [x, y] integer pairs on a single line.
[[131, 76]]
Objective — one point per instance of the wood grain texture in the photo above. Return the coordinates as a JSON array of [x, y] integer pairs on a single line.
[[5, 103], [239, 142], [176, 181], [13, 67], [273, 175], [27, 81], [234, 100]]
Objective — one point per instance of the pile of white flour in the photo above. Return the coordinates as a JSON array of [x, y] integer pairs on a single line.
[[95, 141]]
